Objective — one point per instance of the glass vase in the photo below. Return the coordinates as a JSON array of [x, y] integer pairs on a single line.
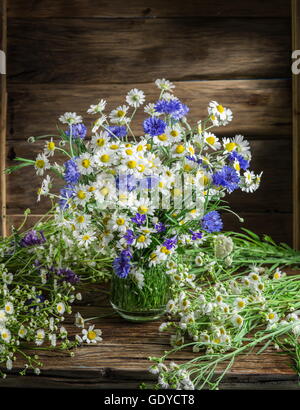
[[144, 303]]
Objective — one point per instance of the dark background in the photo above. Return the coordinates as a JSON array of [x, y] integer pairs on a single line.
[[66, 55]]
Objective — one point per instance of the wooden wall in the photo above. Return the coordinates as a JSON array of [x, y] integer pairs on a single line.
[[65, 55]]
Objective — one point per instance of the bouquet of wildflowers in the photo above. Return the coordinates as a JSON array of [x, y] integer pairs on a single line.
[[143, 199]]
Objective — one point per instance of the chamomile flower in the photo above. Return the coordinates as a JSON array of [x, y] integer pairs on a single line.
[[61, 308], [41, 164], [150, 110], [82, 194], [98, 123], [118, 115], [9, 308], [278, 274], [118, 223], [240, 304], [3, 316], [142, 241], [175, 133], [5, 335], [85, 164], [79, 321], [135, 98], [229, 145], [242, 146], [105, 157], [91, 335], [100, 140], [237, 321], [49, 148], [22, 332], [272, 317], [164, 84], [85, 238], [70, 118], [98, 108], [178, 150], [81, 221], [211, 140], [162, 140], [45, 187], [219, 115], [39, 337]]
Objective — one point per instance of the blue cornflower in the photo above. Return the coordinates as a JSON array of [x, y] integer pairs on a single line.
[[71, 174], [78, 131], [170, 243], [65, 193], [160, 227], [196, 235], [126, 182], [121, 264], [227, 177], [184, 109], [212, 222], [244, 164], [129, 236], [33, 238], [167, 107], [139, 219], [117, 131], [154, 126]]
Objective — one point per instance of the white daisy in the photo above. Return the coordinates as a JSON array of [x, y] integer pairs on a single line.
[[211, 140], [5, 335], [41, 164], [85, 238], [22, 332], [118, 115], [39, 337], [3, 316], [164, 84], [237, 321], [82, 195], [91, 335], [142, 241], [150, 110], [9, 308], [85, 163], [61, 308], [45, 187], [174, 132], [135, 98], [242, 145], [70, 118], [49, 147], [100, 140], [98, 123], [98, 108]]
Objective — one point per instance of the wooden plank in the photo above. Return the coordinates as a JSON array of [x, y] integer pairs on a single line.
[[93, 51], [121, 360], [147, 8], [261, 108], [3, 114], [276, 225], [296, 128], [271, 157]]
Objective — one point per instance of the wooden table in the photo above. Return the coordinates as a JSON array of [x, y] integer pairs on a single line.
[[120, 360]]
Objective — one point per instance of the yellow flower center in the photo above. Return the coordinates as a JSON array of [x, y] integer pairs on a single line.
[[213, 117], [40, 163], [100, 142], [148, 146], [162, 137], [105, 158], [141, 167], [161, 184], [120, 113], [120, 221], [129, 151], [141, 239], [114, 146], [81, 194], [241, 303], [211, 140], [230, 146], [271, 316], [91, 189], [187, 168], [86, 237], [239, 320], [142, 209], [220, 108], [80, 219], [104, 191], [86, 163], [131, 164], [51, 146], [204, 180], [91, 335], [180, 149], [174, 133]]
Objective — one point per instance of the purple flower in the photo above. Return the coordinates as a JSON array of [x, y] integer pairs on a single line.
[[121, 264], [212, 222], [139, 219], [78, 131], [167, 107], [227, 177], [160, 227], [194, 158], [72, 174], [33, 238], [184, 109], [117, 131], [68, 275], [170, 243], [65, 193], [196, 235], [129, 236], [154, 126]]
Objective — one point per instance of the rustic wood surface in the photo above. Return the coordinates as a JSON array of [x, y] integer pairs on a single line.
[[147, 8], [125, 50], [261, 108], [296, 128], [121, 359]]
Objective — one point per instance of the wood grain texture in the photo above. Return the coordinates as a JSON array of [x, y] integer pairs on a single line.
[[271, 157], [121, 359], [91, 51], [261, 108], [147, 8], [3, 118], [296, 128]]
